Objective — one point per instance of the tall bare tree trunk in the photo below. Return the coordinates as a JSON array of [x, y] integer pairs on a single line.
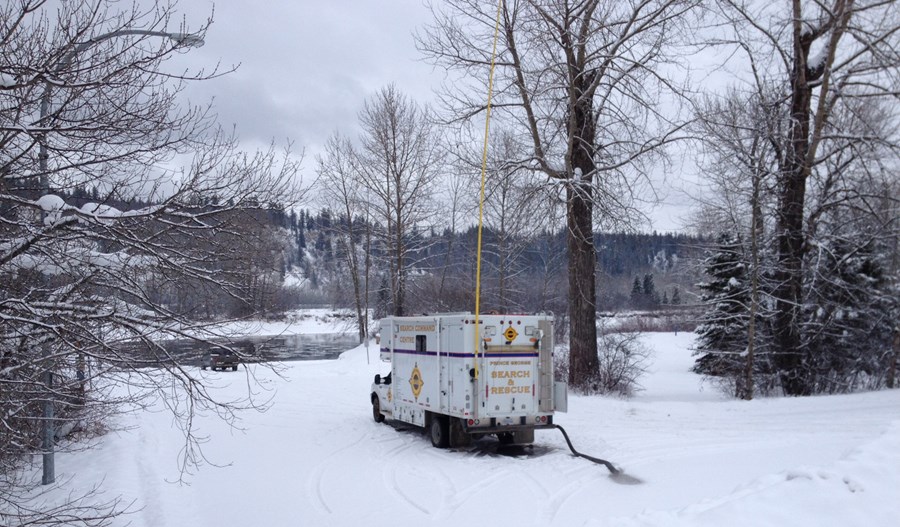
[[583, 359], [789, 271], [400, 284], [805, 133], [755, 233], [892, 367]]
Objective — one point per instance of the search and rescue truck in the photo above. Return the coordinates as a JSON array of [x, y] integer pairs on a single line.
[[441, 381]]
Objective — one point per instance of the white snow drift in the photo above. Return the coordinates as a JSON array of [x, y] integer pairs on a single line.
[[317, 458]]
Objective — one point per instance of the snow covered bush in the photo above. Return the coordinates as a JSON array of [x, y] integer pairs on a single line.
[[623, 359]]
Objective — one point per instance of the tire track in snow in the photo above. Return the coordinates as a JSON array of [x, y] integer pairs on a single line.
[[314, 482], [408, 456], [419, 459], [148, 478], [396, 451], [559, 497], [394, 484], [462, 496], [516, 469]]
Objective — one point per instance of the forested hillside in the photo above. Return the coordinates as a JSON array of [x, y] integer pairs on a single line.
[[519, 273]]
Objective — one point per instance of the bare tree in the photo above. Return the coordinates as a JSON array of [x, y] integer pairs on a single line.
[[514, 212], [580, 80], [399, 166], [891, 208], [88, 100], [513, 217], [338, 185], [826, 57], [459, 207]]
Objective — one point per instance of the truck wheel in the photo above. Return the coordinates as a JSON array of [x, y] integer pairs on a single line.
[[234, 368], [376, 409], [458, 435], [440, 431]]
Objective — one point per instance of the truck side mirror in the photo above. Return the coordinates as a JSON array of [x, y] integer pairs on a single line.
[[377, 379]]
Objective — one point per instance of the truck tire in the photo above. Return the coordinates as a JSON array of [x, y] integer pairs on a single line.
[[439, 431], [458, 435], [376, 409], [234, 368]]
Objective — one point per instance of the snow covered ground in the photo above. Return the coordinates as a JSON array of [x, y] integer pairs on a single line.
[[316, 457], [306, 322]]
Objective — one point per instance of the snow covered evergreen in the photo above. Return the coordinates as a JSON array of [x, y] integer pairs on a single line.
[[847, 324], [722, 335]]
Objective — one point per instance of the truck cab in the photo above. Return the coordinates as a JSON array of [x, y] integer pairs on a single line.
[[382, 398]]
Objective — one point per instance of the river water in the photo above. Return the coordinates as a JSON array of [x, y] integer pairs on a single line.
[[270, 348]]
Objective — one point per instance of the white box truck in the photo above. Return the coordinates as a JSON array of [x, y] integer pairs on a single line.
[[442, 381]]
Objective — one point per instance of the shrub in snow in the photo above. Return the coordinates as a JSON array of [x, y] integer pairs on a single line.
[[623, 361]]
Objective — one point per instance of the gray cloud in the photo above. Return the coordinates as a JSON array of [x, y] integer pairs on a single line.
[[306, 67]]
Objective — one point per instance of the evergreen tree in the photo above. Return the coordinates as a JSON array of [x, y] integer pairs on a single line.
[[676, 296], [722, 333], [320, 243], [637, 293], [329, 251], [648, 290], [847, 324]]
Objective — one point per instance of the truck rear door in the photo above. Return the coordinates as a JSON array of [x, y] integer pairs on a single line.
[[510, 371]]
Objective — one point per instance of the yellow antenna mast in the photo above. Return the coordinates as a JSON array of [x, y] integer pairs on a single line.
[[487, 128]]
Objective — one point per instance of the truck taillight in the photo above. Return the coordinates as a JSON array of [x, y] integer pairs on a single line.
[[471, 422]]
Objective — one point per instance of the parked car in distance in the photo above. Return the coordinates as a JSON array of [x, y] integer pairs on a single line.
[[220, 359]]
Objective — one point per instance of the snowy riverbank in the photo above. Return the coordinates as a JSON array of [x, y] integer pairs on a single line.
[[306, 322], [316, 457]]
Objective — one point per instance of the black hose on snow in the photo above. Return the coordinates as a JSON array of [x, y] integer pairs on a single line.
[[612, 468]]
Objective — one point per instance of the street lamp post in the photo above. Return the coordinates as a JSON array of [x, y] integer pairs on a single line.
[[188, 39]]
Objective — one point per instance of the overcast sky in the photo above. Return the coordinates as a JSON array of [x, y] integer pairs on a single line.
[[305, 68]]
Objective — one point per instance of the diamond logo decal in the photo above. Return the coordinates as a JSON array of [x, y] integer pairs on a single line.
[[416, 382]]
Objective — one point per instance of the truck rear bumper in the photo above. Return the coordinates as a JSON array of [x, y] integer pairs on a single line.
[[495, 425]]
